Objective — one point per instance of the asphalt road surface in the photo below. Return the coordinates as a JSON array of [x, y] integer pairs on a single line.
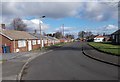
[[68, 63]]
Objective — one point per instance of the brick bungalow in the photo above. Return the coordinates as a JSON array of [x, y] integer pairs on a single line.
[[116, 37], [63, 40], [56, 40], [44, 39], [17, 41], [51, 40]]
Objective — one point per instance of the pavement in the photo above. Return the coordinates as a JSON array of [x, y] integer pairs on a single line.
[[14, 63], [9, 56], [100, 56], [69, 63]]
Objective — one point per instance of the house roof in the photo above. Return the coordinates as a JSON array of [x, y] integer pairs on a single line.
[[63, 39], [99, 37], [16, 35], [55, 38], [51, 38], [116, 32], [38, 36], [44, 37]]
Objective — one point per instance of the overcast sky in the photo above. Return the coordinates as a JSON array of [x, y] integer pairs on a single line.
[[97, 17]]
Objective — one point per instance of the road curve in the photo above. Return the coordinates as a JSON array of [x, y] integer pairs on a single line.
[[68, 63]]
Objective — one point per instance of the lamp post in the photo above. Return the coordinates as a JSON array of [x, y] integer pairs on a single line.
[[41, 31]]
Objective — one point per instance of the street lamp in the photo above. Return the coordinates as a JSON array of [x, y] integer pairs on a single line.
[[40, 31]]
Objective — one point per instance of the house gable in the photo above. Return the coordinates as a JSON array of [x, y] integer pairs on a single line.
[[6, 36]]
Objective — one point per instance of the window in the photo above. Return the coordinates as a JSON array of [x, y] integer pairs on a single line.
[[38, 41], [116, 38], [34, 42], [21, 43], [113, 36], [45, 41]]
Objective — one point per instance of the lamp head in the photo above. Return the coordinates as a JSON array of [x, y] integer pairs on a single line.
[[43, 16]]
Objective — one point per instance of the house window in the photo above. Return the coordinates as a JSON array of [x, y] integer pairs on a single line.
[[38, 41], [113, 36], [45, 41], [116, 39], [34, 42], [21, 43]]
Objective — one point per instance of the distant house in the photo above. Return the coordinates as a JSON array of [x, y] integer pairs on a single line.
[[63, 40], [17, 41], [116, 37], [99, 39], [56, 40], [47, 40], [51, 40], [44, 39]]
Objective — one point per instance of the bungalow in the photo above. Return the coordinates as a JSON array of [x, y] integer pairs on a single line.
[[63, 40], [56, 40], [66, 40], [17, 41], [47, 40], [99, 39], [52, 40], [116, 37], [44, 39]]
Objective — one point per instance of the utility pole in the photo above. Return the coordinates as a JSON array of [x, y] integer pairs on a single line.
[[63, 30]]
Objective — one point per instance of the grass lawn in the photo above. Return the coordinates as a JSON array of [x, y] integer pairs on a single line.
[[3, 61], [47, 47], [60, 44], [106, 47]]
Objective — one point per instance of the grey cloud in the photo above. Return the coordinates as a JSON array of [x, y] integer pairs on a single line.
[[97, 11], [52, 10]]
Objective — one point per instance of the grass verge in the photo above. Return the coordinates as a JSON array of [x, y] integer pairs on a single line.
[[3, 60], [105, 47], [49, 47]]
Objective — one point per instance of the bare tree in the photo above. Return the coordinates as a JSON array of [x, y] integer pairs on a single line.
[[18, 24], [58, 35], [81, 34], [69, 36]]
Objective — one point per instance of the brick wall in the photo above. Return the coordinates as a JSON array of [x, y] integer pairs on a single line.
[[0, 43], [21, 49], [36, 46]]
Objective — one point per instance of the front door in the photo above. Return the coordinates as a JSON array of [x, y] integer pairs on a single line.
[[29, 45]]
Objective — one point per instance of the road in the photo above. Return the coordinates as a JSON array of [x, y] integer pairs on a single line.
[[68, 63]]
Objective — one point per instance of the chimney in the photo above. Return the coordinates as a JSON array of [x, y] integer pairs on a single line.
[[2, 26]]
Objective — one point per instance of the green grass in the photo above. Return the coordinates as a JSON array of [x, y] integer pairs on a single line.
[[106, 47], [47, 47], [59, 44], [3, 60]]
